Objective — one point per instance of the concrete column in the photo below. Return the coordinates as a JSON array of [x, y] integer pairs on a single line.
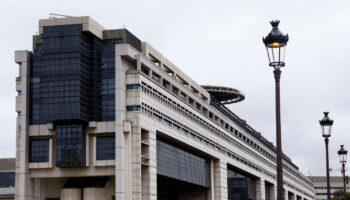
[[285, 193], [220, 179], [211, 191], [138, 62], [95, 194], [149, 174], [37, 189], [71, 194], [260, 189], [273, 192], [136, 163], [24, 184], [292, 196], [120, 106]]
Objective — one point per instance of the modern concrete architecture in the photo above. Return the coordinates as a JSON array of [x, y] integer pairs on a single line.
[[103, 115], [320, 184], [7, 178]]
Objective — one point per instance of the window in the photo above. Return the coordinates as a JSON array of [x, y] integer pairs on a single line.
[[175, 90], [108, 79], [105, 148], [133, 87], [145, 69], [7, 179], [70, 146], [108, 86], [180, 163], [133, 108], [19, 93], [19, 114], [39, 150], [166, 83]]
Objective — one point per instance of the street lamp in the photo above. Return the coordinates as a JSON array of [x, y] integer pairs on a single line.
[[326, 127], [276, 43], [342, 157]]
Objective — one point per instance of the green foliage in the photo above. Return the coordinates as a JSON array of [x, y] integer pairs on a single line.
[[339, 195]]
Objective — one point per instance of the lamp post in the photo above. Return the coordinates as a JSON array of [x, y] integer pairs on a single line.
[[326, 127], [342, 157], [275, 43]]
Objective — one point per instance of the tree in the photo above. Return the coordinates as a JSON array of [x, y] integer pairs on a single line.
[[339, 195]]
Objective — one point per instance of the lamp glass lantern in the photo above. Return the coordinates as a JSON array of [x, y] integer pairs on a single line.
[[342, 154], [276, 43], [326, 125]]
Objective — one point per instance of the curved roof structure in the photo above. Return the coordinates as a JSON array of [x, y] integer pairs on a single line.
[[225, 95]]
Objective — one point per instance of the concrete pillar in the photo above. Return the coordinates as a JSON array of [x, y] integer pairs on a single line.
[[136, 163], [37, 189], [121, 181], [285, 193], [210, 193], [71, 194], [24, 184], [220, 179], [138, 62], [95, 194], [149, 173], [273, 192], [292, 196], [260, 189]]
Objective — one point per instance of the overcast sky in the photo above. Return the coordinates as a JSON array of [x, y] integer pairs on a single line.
[[219, 42]]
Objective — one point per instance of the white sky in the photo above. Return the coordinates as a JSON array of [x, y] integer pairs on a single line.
[[219, 42]]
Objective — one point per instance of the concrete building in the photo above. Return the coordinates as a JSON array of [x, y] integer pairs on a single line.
[[7, 178], [320, 184], [103, 115]]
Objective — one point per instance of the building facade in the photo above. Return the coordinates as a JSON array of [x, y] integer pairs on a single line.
[[7, 178], [103, 115], [320, 184]]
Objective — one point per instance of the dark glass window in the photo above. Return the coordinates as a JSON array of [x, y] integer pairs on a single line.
[[70, 146], [108, 86], [108, 80], [180, 163], [133, 87], [7, 179], [39, 150], [105, 148], [133, 108], [240, 186]]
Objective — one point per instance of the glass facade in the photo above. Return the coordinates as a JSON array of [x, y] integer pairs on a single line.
[[7, 179], [105, 148], [72, 76], [181, 164], [72, 82], [240, 186], [39, 150], [108, 79], [65, 75], [70, 146]]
